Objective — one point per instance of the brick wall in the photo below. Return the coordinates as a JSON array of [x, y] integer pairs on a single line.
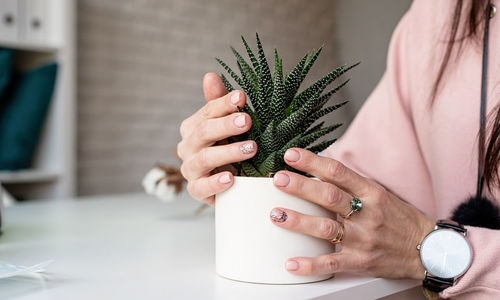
[[140, 65]]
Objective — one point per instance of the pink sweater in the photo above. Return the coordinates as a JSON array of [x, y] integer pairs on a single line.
[[428, 156]]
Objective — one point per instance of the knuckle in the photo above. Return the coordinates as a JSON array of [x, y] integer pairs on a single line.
[[183, 129], [378, 193], [191, 188], [297, 182], [202, 130], [203, 160], [370, 243], [180, 150], [335, 169], [332, 196], [331, 265], [327, 229], [368, 262], [183, 171], [206, 110], [377, 219]]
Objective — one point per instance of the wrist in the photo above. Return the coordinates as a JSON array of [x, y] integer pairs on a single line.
[[417, 270]]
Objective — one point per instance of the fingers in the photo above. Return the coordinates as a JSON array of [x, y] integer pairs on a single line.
[[323, 228], [212, 130], [204, 188], [328, 170], [216, 108], [213, 87], [322, 193], [321, 265], [209, 158]]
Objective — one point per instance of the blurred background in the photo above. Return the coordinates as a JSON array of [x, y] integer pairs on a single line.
[[92, 92]]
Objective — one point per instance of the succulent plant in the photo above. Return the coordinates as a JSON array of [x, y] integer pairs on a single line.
[[282, 117]]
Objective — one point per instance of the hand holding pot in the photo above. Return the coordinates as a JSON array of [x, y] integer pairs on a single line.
[[199, 151], [378, 240]]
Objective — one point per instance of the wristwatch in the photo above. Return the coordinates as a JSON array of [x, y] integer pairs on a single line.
[[445, 254]]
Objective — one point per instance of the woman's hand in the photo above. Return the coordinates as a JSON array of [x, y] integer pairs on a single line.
[[214, 122], [380, 240]]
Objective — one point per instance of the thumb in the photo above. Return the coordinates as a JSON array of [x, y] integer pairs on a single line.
[[213, 87]]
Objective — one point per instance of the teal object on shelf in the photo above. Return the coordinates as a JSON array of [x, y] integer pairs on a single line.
[[5, 71], [22, 119]]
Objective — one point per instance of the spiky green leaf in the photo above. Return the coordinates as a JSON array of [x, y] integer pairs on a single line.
[[226, 83], [322, 146], [321, 84], [246, 69], [250, 170], [326, 97], [252, 57], [230, 71], [311, 59], [293, 80]]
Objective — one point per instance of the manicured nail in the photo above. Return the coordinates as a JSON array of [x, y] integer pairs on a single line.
[[239, 121], [235, 98], [281, 179], [278, 215], [292, 155], [225, 178], [292, 265], [247, 148]]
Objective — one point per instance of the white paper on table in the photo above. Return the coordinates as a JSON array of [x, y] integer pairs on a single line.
[[8, 270]]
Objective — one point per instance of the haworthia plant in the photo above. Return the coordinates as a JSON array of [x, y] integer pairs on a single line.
[[282, 117]]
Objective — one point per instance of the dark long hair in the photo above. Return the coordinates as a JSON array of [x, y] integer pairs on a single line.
[[472, 28]]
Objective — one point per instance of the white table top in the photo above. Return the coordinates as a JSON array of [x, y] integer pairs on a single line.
[[135, 247]]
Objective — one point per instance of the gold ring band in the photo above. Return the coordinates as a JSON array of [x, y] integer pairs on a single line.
[[340, 234]]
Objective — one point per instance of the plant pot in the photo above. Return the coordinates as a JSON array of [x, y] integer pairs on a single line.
[[249, 247]]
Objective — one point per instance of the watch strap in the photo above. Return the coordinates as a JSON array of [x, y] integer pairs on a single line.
[[449, 224], [436, 284]]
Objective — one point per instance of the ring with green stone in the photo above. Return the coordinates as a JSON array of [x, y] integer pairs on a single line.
[[356, 205]]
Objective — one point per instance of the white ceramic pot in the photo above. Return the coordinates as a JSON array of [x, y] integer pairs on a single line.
[[249, 247]]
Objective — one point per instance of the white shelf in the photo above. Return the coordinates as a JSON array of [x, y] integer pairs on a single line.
[[28, 176], [52, 174], [30, 46]]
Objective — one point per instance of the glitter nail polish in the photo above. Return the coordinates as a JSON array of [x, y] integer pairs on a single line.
[[247, 148], [278, 215]]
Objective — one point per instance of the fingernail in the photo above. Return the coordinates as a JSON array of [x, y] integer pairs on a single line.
[[225, 178], [247, 148], [235, 98], [292, 155], [292, 265], [278, 215], [239, 121], [281, 179]]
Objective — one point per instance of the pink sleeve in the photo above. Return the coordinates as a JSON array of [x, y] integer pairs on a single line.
[[482, 280], [381, 142]]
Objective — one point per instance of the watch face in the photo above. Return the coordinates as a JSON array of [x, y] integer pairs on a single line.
[[445, 253]]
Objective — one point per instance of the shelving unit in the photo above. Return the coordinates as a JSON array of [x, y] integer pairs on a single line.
[[53, 172]]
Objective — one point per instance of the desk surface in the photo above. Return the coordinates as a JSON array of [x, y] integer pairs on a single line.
[[135, 247]]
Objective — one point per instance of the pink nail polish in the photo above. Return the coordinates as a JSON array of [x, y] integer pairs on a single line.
[[247, 148], [235, 97], [278, 215], [239, 121], [292, 265], [292, 155], [281, 179], [225, 178]]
